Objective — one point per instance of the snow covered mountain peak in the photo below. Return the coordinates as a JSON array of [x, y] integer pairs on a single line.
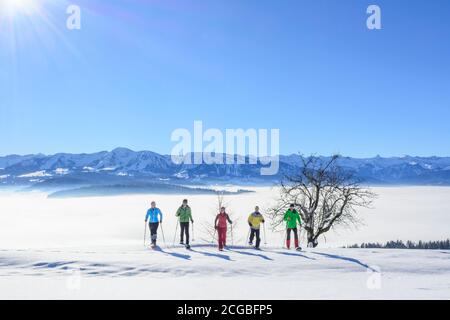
[[126, 163]]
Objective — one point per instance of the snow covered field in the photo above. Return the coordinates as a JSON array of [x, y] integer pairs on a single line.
[[93, 248]]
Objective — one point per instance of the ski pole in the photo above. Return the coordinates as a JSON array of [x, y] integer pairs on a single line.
[[284, 238], [232, 242], [164, 238], [214, 235], [265, 239], [193, 237], [247, 240], [145, 231], [175, 235]]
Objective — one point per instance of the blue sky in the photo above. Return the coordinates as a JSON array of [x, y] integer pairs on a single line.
[[137, 70]]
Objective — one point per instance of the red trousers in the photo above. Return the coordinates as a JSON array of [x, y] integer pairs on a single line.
[[222, 236]]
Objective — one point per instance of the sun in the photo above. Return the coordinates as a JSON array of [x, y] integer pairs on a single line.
[[19, 3], [18, 6]]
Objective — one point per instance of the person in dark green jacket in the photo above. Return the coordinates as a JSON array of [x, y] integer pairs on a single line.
[[184, 215], [292, 217]]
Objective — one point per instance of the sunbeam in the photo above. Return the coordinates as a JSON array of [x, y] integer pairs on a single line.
[[14, 7], [26, 25]]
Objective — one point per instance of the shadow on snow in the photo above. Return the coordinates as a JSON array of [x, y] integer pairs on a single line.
[[353, 260], [295, 255], [217, 255], [173, 254], [252, 254]]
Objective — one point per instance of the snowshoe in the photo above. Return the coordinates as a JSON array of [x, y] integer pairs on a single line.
[[188, 246], [298, 248], [182, 243]]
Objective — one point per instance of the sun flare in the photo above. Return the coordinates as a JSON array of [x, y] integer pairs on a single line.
[[18, 6]]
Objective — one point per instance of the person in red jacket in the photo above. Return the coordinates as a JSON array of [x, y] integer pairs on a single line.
[[221, 226]]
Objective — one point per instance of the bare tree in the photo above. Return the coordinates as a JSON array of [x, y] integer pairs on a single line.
[[209, 227], [325, 194]]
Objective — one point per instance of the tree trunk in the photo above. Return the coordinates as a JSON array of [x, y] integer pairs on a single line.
[[312, 241]]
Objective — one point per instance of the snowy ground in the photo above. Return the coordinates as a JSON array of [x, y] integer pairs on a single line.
[[92, 248], [239, 273]]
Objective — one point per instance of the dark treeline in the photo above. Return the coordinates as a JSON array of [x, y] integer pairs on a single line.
[[399, 244]]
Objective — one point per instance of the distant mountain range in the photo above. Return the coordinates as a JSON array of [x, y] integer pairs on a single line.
[[122, 167]]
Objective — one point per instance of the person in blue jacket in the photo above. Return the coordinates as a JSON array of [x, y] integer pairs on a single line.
[[154, 217]]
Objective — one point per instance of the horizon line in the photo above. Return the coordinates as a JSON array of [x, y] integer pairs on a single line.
[[239, 155]]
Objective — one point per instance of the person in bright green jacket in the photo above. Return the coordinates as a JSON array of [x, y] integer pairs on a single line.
[[184, 215], [292, 217]]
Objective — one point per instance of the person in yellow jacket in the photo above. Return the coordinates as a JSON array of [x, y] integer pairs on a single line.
[[254, 221]]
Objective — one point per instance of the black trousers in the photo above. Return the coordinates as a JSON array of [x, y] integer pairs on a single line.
[[153, 230], [184, 226], [288, 231], [253, 233]]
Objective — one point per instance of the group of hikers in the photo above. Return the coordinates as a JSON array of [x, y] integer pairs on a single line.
[[154, 217]]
